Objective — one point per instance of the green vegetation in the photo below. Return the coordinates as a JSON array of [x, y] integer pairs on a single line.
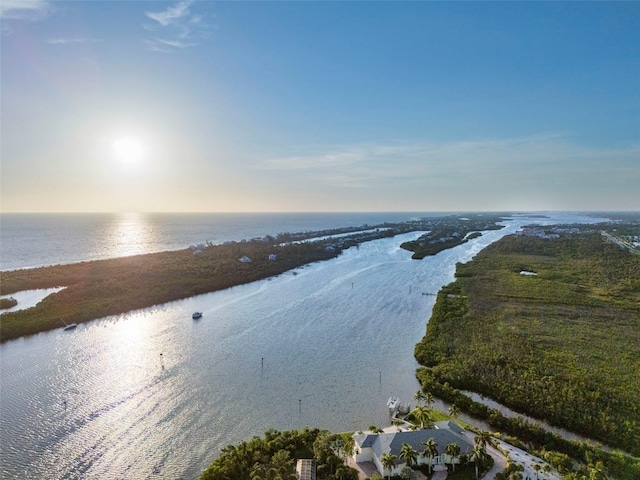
[[108, 287], [467, 471], [561, 346], [451, 231], [6, 303], [274, 457], [532, 437]]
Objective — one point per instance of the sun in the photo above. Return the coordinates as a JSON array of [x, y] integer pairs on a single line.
[[128, 150]]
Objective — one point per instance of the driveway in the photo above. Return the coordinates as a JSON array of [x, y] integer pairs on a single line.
[[364, 469], [528, 461], [499, 460]]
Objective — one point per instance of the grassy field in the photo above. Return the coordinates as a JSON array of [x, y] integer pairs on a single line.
[[562, 345]]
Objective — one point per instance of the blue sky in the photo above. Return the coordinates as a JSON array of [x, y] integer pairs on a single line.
[[319, 106]]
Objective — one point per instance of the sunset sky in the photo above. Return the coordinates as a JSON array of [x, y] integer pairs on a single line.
[[141, 106]]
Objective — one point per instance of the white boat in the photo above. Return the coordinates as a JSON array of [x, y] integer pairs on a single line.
[[196, 315], [68, 326], [393, 403]]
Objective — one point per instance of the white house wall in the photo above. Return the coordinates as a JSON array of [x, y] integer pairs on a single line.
[[365, 455]]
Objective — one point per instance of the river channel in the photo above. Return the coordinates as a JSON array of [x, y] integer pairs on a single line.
[[155, 394]]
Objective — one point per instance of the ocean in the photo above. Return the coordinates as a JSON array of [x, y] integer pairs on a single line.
[[35, 240]]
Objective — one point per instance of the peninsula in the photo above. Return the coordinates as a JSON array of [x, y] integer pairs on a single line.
[[109, 287]]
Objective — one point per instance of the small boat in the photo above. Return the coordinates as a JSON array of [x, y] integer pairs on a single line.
[[393, 403], [196, 315], [68, 326]]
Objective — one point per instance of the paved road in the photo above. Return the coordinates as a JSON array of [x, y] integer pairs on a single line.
[[517, 456]]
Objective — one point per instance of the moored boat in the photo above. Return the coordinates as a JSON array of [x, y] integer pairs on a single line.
[[68, 326]]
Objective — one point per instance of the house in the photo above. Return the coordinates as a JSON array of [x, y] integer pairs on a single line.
[[306, 469], [272, 257], [245, 259], [197, 249], [370, 447]]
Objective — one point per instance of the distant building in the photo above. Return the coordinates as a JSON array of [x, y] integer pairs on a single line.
[[306, 469], [536, 232], [197, 249], [272, 257], [245, 259]]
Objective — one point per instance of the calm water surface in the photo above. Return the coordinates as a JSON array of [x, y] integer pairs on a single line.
[[35, 240], [337, 340]]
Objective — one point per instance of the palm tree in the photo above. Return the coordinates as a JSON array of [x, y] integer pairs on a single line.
[[430, 450], [428, 398], [347, 448], [453, 450], [419, 396], [454, 411], [388, 461], [479, 453], [423, 416], [483, 438], [409, 454], [374, 429]]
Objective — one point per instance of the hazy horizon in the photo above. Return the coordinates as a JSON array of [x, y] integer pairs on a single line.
[[203, 212], [197, 106]]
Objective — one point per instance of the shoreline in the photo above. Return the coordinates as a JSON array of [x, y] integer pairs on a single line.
[[100, 288], [109, 287]]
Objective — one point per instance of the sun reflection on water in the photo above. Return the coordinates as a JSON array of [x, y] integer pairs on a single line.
[[128, 234], [134, 357]]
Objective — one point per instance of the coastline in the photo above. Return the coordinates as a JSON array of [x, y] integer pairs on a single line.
[[108, 287], [41, 240], [101, 288]]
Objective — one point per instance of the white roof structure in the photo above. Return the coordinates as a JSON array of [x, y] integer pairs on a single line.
[[306, 469]]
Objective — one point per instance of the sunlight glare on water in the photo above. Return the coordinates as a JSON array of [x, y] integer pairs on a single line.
[[127, 234]]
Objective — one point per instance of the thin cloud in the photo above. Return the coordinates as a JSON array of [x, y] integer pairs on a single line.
[[175, 43], [170, 15], [175, 28], [548, 158], [71, 41], [24, 9]]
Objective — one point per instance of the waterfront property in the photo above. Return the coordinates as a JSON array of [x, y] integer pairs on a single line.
[[370, 447]]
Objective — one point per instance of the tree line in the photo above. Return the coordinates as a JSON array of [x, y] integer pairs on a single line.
[[274, 456], [560, 346]]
